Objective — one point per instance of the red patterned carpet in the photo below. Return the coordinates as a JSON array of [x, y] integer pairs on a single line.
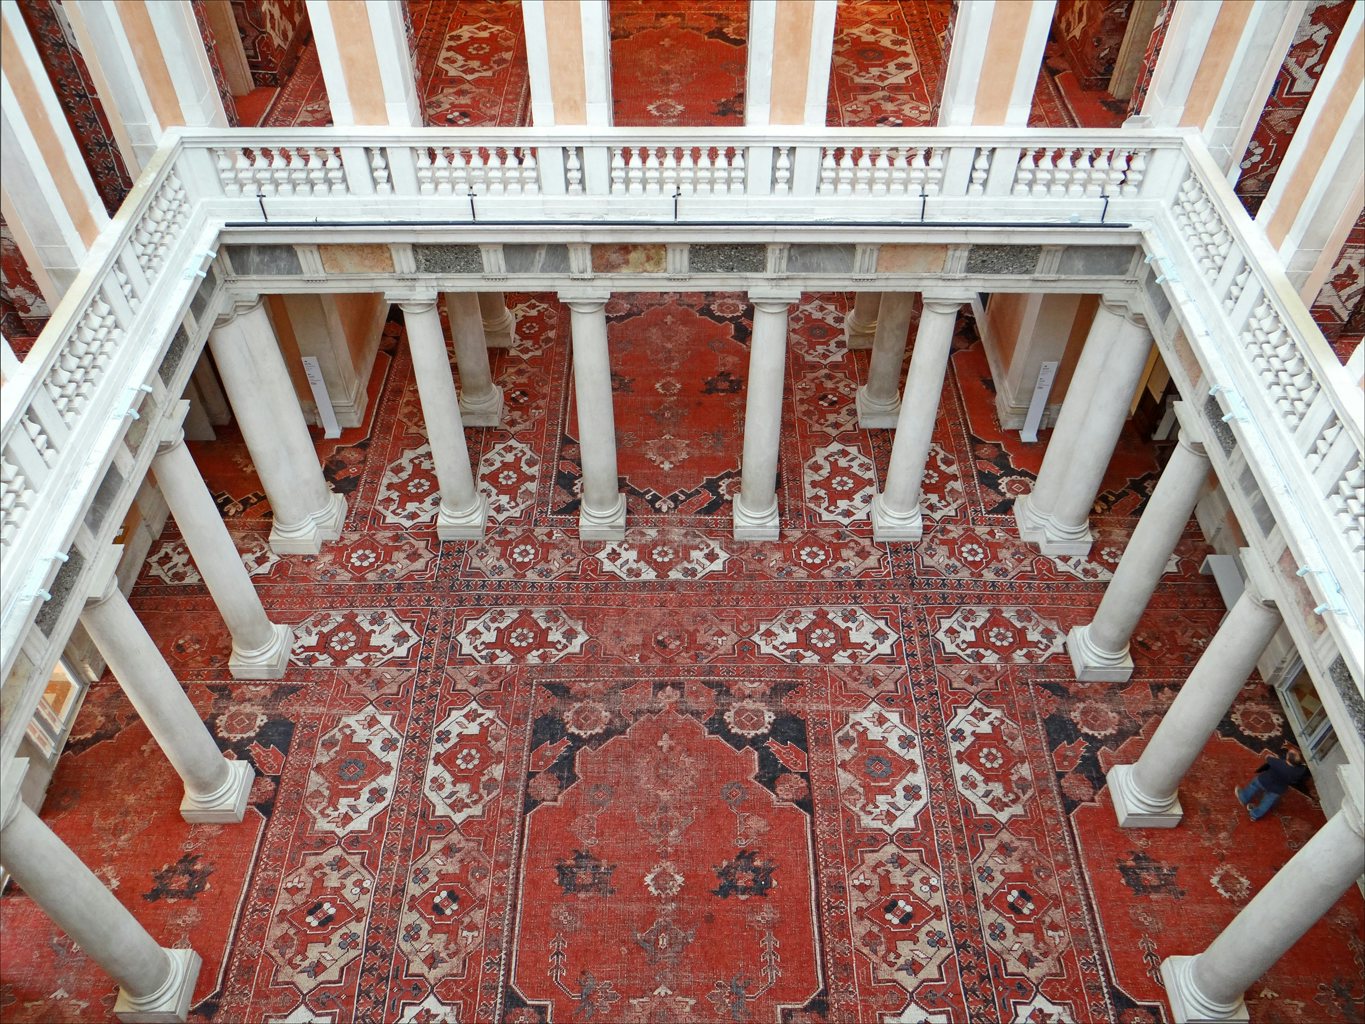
[[678, 63], [888, 62], [675, 778]]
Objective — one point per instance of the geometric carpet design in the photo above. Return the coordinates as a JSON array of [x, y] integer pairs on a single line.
[[676, 777]]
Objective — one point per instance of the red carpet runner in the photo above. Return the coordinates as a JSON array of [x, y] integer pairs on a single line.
[[676, 778]]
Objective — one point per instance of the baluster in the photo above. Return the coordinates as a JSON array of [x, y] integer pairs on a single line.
[[530, 173], [1042, 173], [933, 184], [668, 176], [828, 171], [573, 173], [461, 182], [260, 174], [279, 173], [687, 172], [426, 177], [782, 172], [495, 169], [1061, 173], [705, 181], [898, 175], [618, 171], [227, 176], [981, 167], [1080, 174], [379, 170], [738, 185], [478, 173], [844, 182], [652, 174], [1098, 181], [336, 173], [862, 174], [1137, 169], [635, 171], [1023, 174]]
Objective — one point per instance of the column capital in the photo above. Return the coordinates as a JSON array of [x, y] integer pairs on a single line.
[[1192, 434], [944, 302], [241, 306], [585, 301], [104, 576], [1121, 305], [418, 301], [773, 300], [173, 428], [1259, 579]]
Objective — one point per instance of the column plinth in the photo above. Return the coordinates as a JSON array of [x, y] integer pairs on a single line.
[[754, 509], [1145, 792], [499, 325], [860, 326]]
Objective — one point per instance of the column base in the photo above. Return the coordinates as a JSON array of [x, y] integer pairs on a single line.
[[895, 526], [500, 333], [608, 524], [875, 415], [858, 335], [1052, 538], [1188, 1004], [1134, 808], [467, 524], [227, 806], [750, 525], [171, 1003], [486, 412], [1094, 665], [307, 537], [266, 662]]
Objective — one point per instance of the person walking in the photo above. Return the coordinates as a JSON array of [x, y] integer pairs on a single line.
[[1266, 787]]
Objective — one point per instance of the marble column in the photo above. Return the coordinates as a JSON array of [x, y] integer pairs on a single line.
[[1056, 515], [602, 506], [463, 512], [260, 648], [480, 398], [1145, 792], [499, 325], [1209, 987], [155, 984], [879, 400], [1099, 650], [860, 325], [306, 513], [895, 511], [755, 506], [216, 789]]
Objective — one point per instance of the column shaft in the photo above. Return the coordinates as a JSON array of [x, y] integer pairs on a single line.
[[150, 977], [499, 325], [464, 511], [306, 512], [755, 507], [216, 789], [895, 511], [480, 398], [1209, 987], [260, 648], [879, 399], [1099, 651], [602, 506], [860, 325], [1145, 792], [1056, 515]]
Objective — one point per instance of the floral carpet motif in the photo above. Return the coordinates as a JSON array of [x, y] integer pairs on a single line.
[[676, 777], [889, 62]]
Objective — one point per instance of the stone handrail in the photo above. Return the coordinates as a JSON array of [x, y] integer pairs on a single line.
[[65, 409]]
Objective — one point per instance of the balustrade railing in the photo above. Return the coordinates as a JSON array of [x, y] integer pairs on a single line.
[[56, 405]]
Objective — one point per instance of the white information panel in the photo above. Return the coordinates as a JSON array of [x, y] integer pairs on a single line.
[[1047, 373], [330, 427]]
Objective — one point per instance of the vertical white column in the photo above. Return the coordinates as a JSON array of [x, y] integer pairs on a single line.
[[152, 69], [260, 648], [879, 400], [216, 789], [499, 325], [790, 50], [602, 506], [1099, 650], [895, 512], [755, 506], [568, 51], [47, 195], [860, 326], [155, 983], [480, 398], [363, 52], [306, 513], [1217, 69], [1145, 792], [1318, 190], [1210, 986], [1056, 515], [464, 511], [993, 67]]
